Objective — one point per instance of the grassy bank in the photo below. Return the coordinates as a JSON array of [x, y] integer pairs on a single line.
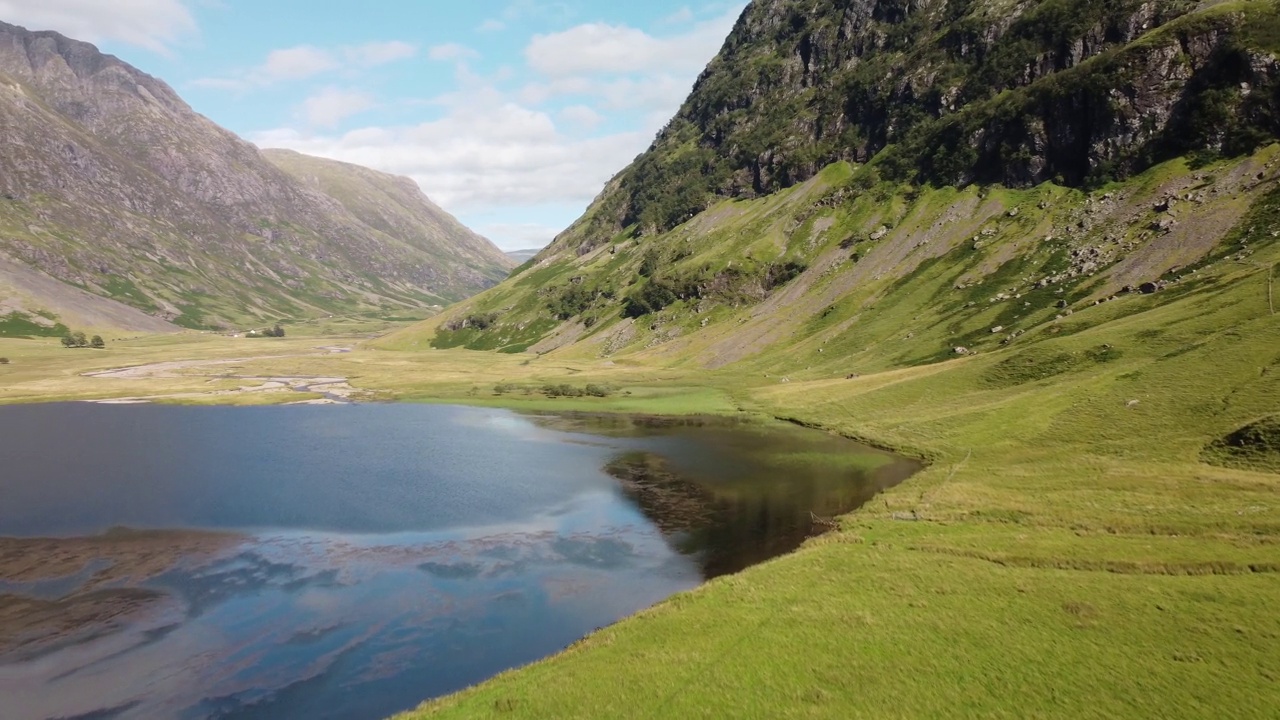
[[1069, 552], [199, 368]]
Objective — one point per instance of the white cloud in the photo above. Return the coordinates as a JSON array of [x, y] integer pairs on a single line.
[[151, 24], [516, 159], [654, 92], [485, 152], [679, 17], [307, 61], [581, 116], [452, 51], [298, 63], [596, 48], [619, 68], [520, 236], [492, 25], [378, 53], [332, 105]]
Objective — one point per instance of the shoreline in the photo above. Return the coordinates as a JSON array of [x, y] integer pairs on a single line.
[[1033, 493], [100, 578]]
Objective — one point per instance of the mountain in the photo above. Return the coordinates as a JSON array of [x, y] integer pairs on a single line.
[[1077, 92], [521, 256], [1032, 242], [112, 185], [882, 183], [396, 207]]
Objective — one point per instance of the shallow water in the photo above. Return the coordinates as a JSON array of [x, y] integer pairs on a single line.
[[350, 562]]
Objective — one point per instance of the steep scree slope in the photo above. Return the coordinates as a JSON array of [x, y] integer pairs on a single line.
[[876, 184]]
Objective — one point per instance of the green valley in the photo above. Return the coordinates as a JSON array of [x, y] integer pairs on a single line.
[[1033, 244]]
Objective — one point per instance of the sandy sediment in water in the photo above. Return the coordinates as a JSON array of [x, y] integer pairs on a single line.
[[108, 596]]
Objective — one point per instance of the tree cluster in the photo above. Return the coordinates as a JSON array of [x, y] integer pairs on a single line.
[[277, 332], [565, 390], [478, 321], [557, 391], [79, 340]]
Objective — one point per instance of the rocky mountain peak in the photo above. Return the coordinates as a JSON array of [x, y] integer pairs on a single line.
[[76, 78]]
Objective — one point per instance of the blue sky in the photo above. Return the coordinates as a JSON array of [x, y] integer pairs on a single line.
[[511, 114]]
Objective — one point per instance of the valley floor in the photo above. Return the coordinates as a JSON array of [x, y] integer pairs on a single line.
[[1076, 548]]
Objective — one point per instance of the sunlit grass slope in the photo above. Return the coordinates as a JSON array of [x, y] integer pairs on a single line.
[[1068, 553], [1098, 532]]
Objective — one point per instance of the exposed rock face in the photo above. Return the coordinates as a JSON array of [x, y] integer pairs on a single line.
[[954, 92], [897, 129], [109, 181]]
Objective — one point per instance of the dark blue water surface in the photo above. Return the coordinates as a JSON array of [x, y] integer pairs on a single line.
[[352, 561]]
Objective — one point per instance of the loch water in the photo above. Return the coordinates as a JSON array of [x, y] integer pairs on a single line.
[[353, 561]]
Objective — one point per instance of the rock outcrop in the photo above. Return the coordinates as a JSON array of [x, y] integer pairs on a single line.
[[952, 92]]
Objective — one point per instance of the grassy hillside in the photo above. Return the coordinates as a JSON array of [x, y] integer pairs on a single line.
[[1085, 543], [849, 279], [1038, 250], [37, 305]]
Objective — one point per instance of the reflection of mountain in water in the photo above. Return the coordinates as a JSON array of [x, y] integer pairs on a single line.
[[730, 528], [727, 533], [622, 426]]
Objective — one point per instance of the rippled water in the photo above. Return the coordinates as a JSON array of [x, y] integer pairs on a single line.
[[350, 562]]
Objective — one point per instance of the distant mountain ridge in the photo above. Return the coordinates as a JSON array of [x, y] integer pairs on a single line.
[[395, 206], [521, 256], [110, 183]]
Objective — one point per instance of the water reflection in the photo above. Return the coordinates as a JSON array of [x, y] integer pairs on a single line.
[[498, 539]]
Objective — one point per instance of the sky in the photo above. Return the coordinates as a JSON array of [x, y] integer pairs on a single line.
[[510, 114]]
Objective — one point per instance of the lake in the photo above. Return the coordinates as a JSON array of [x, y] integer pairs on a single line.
[[353, 561]]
